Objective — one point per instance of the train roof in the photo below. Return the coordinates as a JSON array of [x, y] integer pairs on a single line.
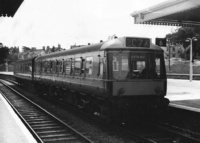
[[118, 43], [83, 49]]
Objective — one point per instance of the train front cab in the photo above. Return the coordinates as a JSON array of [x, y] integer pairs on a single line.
[[137, 78]]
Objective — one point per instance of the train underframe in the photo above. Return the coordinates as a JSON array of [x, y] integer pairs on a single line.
[[118, 109]]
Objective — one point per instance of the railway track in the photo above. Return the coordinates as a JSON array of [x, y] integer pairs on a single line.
[[144, 133], [44, 126], [157, 133]]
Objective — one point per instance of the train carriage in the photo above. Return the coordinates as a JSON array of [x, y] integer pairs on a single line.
[[23, 71], [126, 73]]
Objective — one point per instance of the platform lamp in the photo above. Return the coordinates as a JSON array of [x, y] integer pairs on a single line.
[[191, 68], [6, 60], [169, 48]]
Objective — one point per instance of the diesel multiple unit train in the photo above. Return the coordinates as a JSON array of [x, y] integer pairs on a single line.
[[115, 77]]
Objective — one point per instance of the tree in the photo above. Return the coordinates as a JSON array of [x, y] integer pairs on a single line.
[[181, 34], [13, 54], [4, 52]]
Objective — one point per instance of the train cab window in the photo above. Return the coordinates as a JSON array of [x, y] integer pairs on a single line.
[[159, 65], [120, 66], [88, 65], [146, 65], [138, 64]]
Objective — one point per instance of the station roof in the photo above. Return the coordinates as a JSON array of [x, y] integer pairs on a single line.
[[172, 12], [9, 7]]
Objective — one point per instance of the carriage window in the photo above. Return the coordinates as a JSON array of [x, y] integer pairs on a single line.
[[88, 65], [77, 66], [68, 66], [54, 66], [44, 66], [120, 66], [62, 66], [59, 66], [30, 68], [48, 66], [100, 68]]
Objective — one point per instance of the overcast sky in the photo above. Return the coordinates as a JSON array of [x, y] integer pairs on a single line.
[[40, 23]]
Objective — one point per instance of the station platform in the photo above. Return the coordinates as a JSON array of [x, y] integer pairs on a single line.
[[184, 94], [12, 130], [7, 73]]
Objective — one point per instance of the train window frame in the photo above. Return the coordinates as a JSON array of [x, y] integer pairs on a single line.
[[62, 66], [89, 69]]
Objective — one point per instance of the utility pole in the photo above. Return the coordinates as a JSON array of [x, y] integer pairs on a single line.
[[191, 67]]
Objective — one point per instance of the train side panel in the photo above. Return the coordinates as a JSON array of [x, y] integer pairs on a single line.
[[89, 81]]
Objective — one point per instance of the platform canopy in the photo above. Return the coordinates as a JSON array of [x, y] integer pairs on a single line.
[[9, 7], [185, 13]]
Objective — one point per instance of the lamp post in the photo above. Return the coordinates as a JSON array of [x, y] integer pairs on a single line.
[[169, 48], [191, 68], [6, 60]]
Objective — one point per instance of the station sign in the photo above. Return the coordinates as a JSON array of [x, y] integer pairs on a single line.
[[161, 42], [137, 42]]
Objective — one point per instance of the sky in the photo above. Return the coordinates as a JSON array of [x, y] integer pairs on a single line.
[[40, 23]]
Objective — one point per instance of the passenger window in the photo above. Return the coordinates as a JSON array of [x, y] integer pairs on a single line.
[[77, 66], [82, 66], [72, 66], [44, 67], [54, 66], [48, 66], [59, 66], [51, 67], [88, 65], [62, 66], [100, 70], [67, 66]]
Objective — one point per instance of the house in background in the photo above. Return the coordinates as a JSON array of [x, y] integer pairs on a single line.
[[30, 53]]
